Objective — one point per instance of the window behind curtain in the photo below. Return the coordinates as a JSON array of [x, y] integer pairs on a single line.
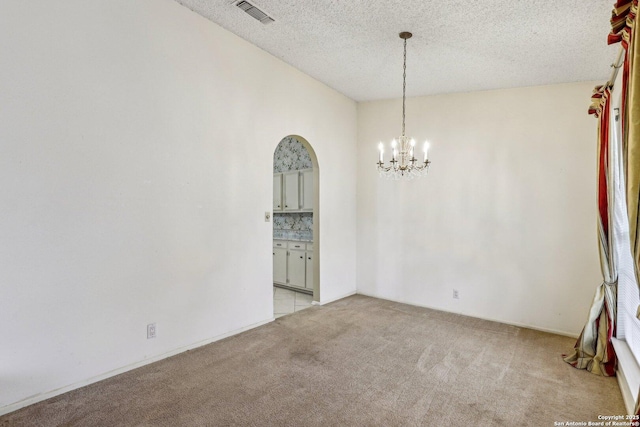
[[628, 326]]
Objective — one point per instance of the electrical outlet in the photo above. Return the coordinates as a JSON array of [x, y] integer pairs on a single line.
[[455, 294], [151, 330], [267, 216]]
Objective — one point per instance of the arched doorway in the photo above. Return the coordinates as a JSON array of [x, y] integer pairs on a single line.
[[296, 225]]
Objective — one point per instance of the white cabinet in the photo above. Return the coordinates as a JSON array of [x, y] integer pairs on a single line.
[[293, 264], [297, 268], [279, 265], [306, 178], [277, 192], [309, 268], [291, 191]]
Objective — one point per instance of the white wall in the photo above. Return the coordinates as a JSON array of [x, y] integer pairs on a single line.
[[136, 144], [506, 216]]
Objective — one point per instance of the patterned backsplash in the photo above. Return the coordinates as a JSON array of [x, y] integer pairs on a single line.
[[293, 226], [290, 155]]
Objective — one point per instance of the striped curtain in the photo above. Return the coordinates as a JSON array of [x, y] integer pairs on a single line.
[[623, 31], [594, 350]]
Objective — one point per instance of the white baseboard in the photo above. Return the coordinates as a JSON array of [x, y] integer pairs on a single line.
[[328, 301], [628, 374], [520, 325], [49, 394]]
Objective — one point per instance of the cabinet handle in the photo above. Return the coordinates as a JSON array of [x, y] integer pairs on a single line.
[[301, 257], [309, 258]]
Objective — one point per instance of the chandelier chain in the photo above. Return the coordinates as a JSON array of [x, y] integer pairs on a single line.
[[404, 83]]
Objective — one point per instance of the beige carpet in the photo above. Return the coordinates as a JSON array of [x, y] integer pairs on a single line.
[[357, 362]]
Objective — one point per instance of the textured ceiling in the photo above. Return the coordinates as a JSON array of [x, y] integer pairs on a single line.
[[457, 45]]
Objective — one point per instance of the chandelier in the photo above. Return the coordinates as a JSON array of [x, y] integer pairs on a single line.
[[403, 163]]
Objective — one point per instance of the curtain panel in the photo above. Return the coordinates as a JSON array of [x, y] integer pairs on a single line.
[[594, 350], [623, 22]]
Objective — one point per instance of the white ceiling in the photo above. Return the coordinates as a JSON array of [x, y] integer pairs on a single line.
[[457, 45]]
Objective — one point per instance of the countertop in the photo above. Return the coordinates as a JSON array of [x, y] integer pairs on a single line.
[[293, 239]]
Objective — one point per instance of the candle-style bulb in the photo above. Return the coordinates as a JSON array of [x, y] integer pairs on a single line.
[[426, 150]]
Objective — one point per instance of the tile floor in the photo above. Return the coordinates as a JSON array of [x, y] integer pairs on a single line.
[[287, 302]]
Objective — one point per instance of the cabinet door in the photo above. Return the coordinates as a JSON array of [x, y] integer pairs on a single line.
[[296, 268], [309, 265], [307, 189], [291, 202], [280, 265], [277, 192]]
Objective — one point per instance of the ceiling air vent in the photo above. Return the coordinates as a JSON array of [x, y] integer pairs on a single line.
[[255, 12]]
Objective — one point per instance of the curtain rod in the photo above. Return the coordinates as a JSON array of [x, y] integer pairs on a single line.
[[616, 66]]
